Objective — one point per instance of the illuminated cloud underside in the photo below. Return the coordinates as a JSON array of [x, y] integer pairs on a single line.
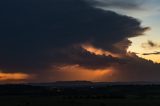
[[76, 72], [13, 76], [98, 51]]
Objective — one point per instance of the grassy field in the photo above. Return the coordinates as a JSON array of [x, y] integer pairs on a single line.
[[59, 101]]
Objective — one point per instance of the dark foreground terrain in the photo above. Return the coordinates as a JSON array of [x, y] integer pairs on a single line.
[[52, 101], [80, 94]]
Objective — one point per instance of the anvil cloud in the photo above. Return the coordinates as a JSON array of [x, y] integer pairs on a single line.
[[39, 36]]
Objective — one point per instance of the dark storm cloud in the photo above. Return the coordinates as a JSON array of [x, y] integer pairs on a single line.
[[30, 29], [75, 55], [137, 69], [39, 34]]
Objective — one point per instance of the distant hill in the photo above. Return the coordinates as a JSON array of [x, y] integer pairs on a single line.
[[89, 84]]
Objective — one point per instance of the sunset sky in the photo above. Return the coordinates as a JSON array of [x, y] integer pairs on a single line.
[[94, 40]]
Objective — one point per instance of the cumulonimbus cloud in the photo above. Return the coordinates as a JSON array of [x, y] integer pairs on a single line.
[[37, 35]]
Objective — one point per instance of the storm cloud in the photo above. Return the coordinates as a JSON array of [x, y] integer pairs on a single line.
[[121, 4], [38, 35]]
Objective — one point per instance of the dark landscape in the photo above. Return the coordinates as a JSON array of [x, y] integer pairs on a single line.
[[80, 93]]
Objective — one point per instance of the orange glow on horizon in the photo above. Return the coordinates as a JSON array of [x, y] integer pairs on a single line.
[[13, 76], [76, 72]]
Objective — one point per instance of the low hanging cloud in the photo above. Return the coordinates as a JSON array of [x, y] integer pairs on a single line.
[[38, 37]]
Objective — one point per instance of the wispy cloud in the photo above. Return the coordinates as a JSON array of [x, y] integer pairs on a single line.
[[150, 45], [136, 8], [154, 53]]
